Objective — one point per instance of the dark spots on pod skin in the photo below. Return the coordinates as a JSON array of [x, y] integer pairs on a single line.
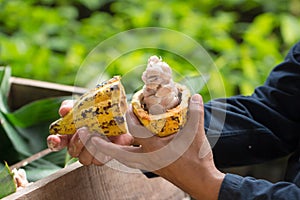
[[80, 104], [54, 125], [97, 111], [106, 108], [93, 125], [109, 104], [83, 114], [115, 104], [112, 123], [119, 119], [114, 87], [175, 118], [104, 127]]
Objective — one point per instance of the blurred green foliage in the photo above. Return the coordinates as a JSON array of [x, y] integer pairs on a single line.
[[49, 39]]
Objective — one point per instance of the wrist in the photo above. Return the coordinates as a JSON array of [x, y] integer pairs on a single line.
[[198, 177], [212, 181]]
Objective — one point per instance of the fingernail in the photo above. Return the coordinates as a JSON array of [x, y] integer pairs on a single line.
[[196, 98], [51, 146]]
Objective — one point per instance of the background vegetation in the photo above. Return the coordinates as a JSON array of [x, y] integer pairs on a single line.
[[49, 39]]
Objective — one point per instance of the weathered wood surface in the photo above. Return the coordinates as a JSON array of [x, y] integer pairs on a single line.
[[94, 182], [24, 91]]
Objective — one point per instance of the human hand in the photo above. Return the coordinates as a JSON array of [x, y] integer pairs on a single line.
[[184, 158], [78, 142], [153, 152]]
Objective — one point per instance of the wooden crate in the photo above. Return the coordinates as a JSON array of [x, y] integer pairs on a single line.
[[94, 182], [84, 182]]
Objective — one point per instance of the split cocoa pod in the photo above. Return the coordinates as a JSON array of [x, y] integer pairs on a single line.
[[103, 108]]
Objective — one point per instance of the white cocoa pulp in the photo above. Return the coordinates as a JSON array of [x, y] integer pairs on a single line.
[[159, 91]]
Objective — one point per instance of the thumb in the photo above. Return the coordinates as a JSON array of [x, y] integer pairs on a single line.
[[197, 104], [136, 129], [195, 114]]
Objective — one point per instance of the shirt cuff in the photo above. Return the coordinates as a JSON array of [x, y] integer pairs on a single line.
[[230, 188]]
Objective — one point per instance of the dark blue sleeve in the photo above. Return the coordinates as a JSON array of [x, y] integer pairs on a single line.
[[251, 129], [236, 187]]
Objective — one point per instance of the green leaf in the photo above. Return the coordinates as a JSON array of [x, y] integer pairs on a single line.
[[36, 112], [92, 4], [71, 161], [11, 132], [5, 73], [7, 183], [26, 130], [16, 139], [290, 29], [7, 150], [39, 169]]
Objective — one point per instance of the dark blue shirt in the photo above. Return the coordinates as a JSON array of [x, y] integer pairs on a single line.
[[268, 121]]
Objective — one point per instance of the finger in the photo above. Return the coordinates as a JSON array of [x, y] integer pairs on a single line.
[[66, 102], [124, 139], [197, 108], [65, 107], [97, 162], [86, 156], [127, 155], [197, 104], [205, 148], [188, 135], [100, 159], [78, 141], [195, 114], [90, 154], [138, 131], [58, 142]]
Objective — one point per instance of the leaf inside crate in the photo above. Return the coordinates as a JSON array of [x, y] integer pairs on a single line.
[[7, 184], [23, 132]]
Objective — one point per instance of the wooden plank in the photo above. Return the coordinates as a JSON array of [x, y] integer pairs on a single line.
[[24, 91], [94, 182]]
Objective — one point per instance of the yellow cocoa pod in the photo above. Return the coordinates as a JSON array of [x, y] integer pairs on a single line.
[[167, 123], [101, 110]]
